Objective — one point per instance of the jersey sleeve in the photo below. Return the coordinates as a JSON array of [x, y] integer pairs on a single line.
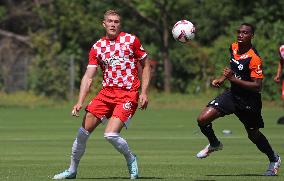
[[256, 67], [139, 51], [281, 52], [93, 62]]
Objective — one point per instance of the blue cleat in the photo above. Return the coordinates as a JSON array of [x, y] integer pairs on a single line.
[[273, 167], [133, 168], [65, 175]]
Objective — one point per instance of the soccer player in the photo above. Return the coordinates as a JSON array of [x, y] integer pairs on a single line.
[[280, 65], [118, 54], [243, 99], [279, 73]]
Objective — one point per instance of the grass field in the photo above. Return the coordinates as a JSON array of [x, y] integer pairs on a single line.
[[35, 144]]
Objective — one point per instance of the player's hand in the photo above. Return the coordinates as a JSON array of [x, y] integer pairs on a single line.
[[277, 79], [143, 101], [76, 109], [228, 73], [217, 83]]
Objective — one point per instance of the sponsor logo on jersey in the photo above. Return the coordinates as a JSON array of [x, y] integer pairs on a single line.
[[244, 56], [112, 61], [240, 67]]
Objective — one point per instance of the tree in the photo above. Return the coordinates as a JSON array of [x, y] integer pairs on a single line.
[[15, 48], [53, 35]]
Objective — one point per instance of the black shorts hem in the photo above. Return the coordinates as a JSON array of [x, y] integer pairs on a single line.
[[222, 112]]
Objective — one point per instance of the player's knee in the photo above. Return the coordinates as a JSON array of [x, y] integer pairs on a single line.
[[202, 120], [111, 137], [253, 135], [82, 135]]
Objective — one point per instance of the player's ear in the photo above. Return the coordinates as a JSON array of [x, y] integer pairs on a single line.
[[104, 25]]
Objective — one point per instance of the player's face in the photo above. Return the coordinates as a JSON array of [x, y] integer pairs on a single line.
[[111, 24], [244, 34]]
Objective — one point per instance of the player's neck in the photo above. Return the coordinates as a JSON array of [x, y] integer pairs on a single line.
[[112, 37], [243, 48]]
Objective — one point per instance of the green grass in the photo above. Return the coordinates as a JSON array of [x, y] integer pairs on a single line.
[[35, 144]]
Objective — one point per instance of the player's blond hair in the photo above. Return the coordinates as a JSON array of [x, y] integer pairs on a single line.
[[111, 12]]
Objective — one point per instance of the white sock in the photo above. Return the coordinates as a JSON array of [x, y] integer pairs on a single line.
[[120, 145], [78, 148]]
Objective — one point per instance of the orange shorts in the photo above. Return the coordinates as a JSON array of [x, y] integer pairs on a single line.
[[111, 102]]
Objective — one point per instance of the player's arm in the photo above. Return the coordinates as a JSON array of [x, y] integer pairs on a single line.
[[146, 76], [254, 85], [279, 70], [86, 83], [218, 82]]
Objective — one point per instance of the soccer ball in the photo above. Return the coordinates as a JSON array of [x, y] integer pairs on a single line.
[[183, 31]]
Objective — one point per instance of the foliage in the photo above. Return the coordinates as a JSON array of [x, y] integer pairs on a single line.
[[49, 72], [56, 45], [269, 23], [65, 29], [2, 12]]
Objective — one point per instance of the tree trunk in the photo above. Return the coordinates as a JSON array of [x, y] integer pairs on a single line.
[[165, 53]]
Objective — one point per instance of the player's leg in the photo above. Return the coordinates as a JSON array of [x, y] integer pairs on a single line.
[[204, 122], [126, 105], [263, 145], [250, 115], [90, 122], [216, 108], [112, 135], [112, 131]]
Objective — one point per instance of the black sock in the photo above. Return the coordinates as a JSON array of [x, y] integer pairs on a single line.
[[263, 145], [209, 133]]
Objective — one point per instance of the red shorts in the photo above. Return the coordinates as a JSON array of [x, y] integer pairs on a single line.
[[111, 102]]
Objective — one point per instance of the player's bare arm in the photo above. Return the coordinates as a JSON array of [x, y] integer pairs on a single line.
[[279, 71], [254, 85], [146, 76], [86, 83]]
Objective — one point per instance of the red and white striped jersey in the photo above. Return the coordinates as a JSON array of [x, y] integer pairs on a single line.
[[118, 59], [281, 51]]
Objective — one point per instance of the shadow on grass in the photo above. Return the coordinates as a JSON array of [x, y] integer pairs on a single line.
[[119, 178]]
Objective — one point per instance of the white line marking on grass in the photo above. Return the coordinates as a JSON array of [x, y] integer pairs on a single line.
[[128, 138]]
